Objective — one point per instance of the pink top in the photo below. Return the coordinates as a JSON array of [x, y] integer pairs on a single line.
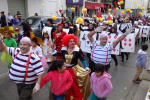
[[101, 86], [60, 83]]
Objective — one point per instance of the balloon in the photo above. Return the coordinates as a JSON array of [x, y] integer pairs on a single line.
[[72, 9], [134, 2], [79, 20], [84, 10], [54, 18], [143, 8], [122, 12]]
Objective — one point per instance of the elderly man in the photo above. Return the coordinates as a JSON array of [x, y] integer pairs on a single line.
[[101, 53], [26, 68]]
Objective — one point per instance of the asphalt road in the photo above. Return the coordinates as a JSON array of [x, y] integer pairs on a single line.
[[122, 76]]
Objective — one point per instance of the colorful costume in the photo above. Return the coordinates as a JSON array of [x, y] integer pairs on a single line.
[[47, 51], [9, 43], [58, 41], [81, 80]]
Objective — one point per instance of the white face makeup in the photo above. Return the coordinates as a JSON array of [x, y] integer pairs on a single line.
[[103, 41], [24, 47]]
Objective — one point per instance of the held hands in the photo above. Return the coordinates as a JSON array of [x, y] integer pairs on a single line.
[[36, 88], [1, 37], [99, 29], [129, 30]]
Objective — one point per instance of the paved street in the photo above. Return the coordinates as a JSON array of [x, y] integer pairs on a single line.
[[122, 76]]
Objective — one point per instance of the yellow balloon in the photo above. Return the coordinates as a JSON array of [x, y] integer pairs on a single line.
[[84, 10], [122, 12], [134, 2], [138, 5], [72, 9], [43, 5], [143, 8], [54, 18], [117, 8]]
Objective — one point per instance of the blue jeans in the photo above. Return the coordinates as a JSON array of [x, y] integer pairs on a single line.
[[59, 97]]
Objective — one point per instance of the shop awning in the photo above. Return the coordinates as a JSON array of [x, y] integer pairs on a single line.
[[95, 6]]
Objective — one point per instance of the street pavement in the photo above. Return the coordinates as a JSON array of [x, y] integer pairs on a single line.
[[122, 75]]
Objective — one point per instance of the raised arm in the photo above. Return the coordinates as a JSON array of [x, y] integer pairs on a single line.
[[3, 47], [128, 31], [90, 35]]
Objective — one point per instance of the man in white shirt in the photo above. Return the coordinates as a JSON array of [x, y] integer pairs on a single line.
[[9, 18]]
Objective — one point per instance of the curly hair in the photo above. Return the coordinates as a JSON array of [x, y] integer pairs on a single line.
[[67, 38]]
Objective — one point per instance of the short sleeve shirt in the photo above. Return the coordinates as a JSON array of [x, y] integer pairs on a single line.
[[101, 54]]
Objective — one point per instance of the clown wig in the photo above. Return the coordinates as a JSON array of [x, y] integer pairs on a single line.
[[67, 38]]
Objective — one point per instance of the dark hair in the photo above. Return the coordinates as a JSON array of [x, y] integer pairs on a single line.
[[66, 23], [34, 40], [99, 68], [50, 20], [26, 27], [91, 24], [144, 47], [36, 14], [56, 64], [43, 38]]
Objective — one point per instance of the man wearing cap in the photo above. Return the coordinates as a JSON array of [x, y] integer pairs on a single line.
[[26, 68], [101, 53]]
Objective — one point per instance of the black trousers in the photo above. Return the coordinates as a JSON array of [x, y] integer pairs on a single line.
[[92, 64], [89, 57], [9, 24], [143, 39], [137, 41], [114, 58], [122, 56], [25, 91]]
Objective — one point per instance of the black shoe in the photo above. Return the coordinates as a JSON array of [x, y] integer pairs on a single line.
[[116, 64]]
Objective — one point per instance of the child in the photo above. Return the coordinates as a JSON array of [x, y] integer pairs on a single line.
[[18, 36], [9, 42], [46, 49], [100, 83], [37, 50], [61, 79], [140, 62]]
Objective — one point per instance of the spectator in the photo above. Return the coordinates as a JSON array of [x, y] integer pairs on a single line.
[[18, 36], [3, 20], [16, 20], [9, 18], [26, 29], [36, 14], [19, 15]]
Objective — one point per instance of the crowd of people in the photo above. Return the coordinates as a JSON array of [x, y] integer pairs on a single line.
[[60, 52], [10, 19]]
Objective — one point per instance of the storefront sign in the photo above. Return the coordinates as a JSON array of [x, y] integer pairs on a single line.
[[74, 2], [91, 6]]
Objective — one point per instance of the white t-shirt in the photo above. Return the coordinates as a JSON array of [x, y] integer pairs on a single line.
[[37, 51], [10, 17]]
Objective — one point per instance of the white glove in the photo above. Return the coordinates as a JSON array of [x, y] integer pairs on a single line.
[[1, 37], [129, 30], [36, 88], [99, 29]]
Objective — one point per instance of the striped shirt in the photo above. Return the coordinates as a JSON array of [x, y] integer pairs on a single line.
[[18, 66], [101, 54]]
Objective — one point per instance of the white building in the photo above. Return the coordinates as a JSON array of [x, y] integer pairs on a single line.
[[143, 3], [30, 7]]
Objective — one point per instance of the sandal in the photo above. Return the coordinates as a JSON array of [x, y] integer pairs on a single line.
[[136, 82]]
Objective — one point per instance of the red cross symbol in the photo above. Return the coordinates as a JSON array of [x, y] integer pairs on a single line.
[[47, 51], [109, 42], [47, 43], [130, 40]]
